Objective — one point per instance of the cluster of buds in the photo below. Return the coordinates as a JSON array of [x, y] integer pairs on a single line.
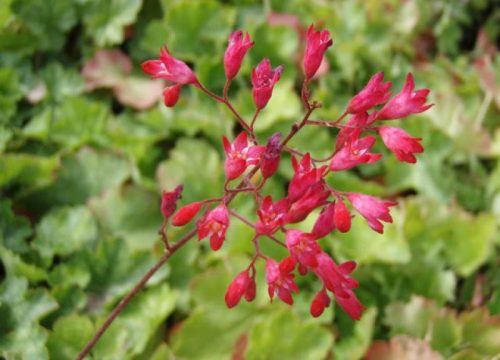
[[308, 192]]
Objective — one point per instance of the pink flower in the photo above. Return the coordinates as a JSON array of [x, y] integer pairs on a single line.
[[171, 95], [351, 131], [169, 201], [376, 92], [372, 209], [271, 156], [214, 225], [271, 215], [401, 143], [337, 280], [405, 103], [239, 155], [279, 279], [313, 197], [235, 52], [263, 80], [186, 214], [169, 68], [356, 151], [319, 303], [303, 247], [243, 284], [317, 42], [306, 175], [342, 217], [325, 223]]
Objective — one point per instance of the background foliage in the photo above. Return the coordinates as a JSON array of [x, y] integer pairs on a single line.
[[85, 149]]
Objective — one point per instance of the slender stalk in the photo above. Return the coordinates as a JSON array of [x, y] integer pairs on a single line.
[[132, 293], [247, 222]]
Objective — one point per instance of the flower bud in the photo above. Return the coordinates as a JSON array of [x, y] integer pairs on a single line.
[[317, 42], [342, 217], [169, 201], [171, 95], [235, 52], [237, 289], [186, 214], [263, 80], [271, 156]]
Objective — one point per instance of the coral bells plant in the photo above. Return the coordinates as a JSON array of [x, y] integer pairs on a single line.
[[250, 162]]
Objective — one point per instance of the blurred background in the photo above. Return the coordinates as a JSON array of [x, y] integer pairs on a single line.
[[86, 146]]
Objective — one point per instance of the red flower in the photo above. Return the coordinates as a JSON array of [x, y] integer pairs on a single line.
[[186, 214], [235, 52], [317, 42], [303, 247], [169, 68], [306, 175], [325, 223], [376, 92], [243, 284], [263, 80], [354, 152], [239, 155], [171, 95], [337, 280], [313, 197], [271, 215], [372, 209], [214, 225], [319, 303], [169, 201], [271, 156], [401, 143], [405, 103], [279, 279], [342, 217], [354, 125]]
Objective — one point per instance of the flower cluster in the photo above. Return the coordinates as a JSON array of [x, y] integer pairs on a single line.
[[309, 194]]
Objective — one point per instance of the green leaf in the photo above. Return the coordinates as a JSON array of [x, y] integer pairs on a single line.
[[366, 246], [132, 331], [61, 82], [64, 231], [48, 21], [9, 94], [75, 122], [204, 32], [26, 170], [481, 331], [13, 230], [15, 266], [197, 166], [303, 340], [105, 20], [356, 345], [469, 241], [132, 214], [86, 174], [69, 336]]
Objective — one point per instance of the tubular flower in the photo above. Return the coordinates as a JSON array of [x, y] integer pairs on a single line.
[[171, 95], [325, 223], [306, 175], [402, 145], [169, 201], [342, 217], [337, 280], [243, 284], [317, 42], [214, 225], [303, 247], [263, 80], [186, 214], [352, 129], [271, 156], [271, 215], [372, 209], [170, 68], [319, 303], [239, 155], [280, 280], [353, 153], [313, 197], [405, 103], [235, 52], [376, 92]]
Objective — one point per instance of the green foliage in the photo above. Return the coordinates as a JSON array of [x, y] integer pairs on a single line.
[[82, 169]]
